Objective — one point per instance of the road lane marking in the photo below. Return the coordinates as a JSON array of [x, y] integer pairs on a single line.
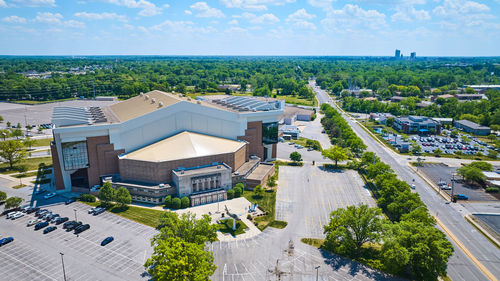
[[478, 264]]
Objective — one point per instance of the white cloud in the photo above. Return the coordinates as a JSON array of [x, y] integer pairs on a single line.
[[48, 17], [351, 17], [74, 24], [34, 3], [300, 15], [408, 13], [205, 11], [265, 19], [3, 4], [453, 8], [188, 12], [101, 16], [233, 22], [14, 19], [321, 3], [147, 8], [255, 5]]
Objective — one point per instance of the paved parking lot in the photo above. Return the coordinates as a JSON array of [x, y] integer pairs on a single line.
[[436, 172], [492, 220], [35, 256]]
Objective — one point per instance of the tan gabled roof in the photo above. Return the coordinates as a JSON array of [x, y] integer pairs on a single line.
[[184, 145], [142, 104]]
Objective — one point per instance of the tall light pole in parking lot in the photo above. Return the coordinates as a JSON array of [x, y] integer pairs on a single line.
[[317, 267], [452, 186], [75, 214], [64, 271]]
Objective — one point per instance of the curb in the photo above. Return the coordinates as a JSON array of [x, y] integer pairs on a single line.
[[482, 230], [430, 183]]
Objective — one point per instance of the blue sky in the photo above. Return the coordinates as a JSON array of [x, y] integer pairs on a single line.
[[250, 27]]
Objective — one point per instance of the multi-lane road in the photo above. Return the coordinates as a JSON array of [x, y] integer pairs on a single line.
[[475, 257]]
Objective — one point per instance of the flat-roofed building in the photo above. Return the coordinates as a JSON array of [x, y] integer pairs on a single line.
[[472, 128], [293, 113], [417, 125], [143, 139]]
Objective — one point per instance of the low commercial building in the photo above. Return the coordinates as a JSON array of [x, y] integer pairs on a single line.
[[293, 113], [472, 128], [159, 144], [289, 132], [417, 125], [380, 117], [470, 97], [443, 121]]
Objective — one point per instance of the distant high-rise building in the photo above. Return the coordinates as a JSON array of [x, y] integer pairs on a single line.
[[413, 55], [397, 54]]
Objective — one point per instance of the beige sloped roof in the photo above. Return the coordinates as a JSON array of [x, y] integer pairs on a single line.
[[143, 104], [184, 145]]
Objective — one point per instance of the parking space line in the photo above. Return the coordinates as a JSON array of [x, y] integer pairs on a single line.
[[28, 265]]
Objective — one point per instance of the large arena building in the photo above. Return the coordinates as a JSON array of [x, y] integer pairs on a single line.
[[158, 144]]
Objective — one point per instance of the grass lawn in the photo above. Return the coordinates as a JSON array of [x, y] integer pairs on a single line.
[[296, 100], [18, 186], [25, 175], [145, 216], [39, 102], [42, 142], [226, 226], [267, 203], [303, 141], [31, 164]]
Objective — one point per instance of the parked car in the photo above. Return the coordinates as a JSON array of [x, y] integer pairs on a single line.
[[107, 240], [69, 201], [91, 210], [32, 210], [33, 222], [5, 241], [446, 187], [17, 215], [413, 186], [50, 195], [81, 228], [61, 220], [99, 211], [66, 224], [49, 229], [9, 215], [41, 225], [55, 218], [462, 197], [73, 226]]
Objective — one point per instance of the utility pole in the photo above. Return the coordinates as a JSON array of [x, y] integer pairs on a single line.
[[75, 214], [317, 268], [64, 271], [452, 186]]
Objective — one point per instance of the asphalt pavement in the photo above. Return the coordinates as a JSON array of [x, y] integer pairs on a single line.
[[460, 266]]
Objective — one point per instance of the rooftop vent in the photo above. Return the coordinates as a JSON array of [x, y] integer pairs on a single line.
[[146, 97], [160, 104], [180, 95], [198, 102], [141, 94], [153, 100], [189, 99]]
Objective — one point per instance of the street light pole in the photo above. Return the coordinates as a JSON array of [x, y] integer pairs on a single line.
[[75, 215], [317, 267], [64, 271], [452, 186]]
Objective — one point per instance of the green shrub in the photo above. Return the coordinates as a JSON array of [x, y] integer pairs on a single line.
[[230, 194], [492, 189], [87, 198], [184, 202], [237, 192], [176, 203], [168, 201]]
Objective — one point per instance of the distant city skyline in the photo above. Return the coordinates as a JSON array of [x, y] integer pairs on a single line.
[[250, 27]]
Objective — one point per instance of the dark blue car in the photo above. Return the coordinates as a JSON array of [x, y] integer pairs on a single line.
[[462, 197], [107, 240], [41, 225], [6, 240]]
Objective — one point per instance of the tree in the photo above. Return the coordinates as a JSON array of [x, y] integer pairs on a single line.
[[28, 142], [271, 182], [230, 194], [106, 193], [22, 169], [13, 202], [168, 201], [492, 154], [237, 191], [8, 124], [415, 148], [176, 203], [3, 196], [174, 259], [186, 227], [378, 168], [13, 151], [389, 122], [438, 151], [259, 191], [472, 174], [122, 196], [181, 88], [1, 118], [484, 166], [427, 250], [18, 125], [184, 202], [369, 158], [17, 133], [335, 153], [295, 157], [348, 229]]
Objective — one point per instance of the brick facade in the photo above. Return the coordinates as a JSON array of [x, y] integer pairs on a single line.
[[56, 167], [253, 135], [103, 159]]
